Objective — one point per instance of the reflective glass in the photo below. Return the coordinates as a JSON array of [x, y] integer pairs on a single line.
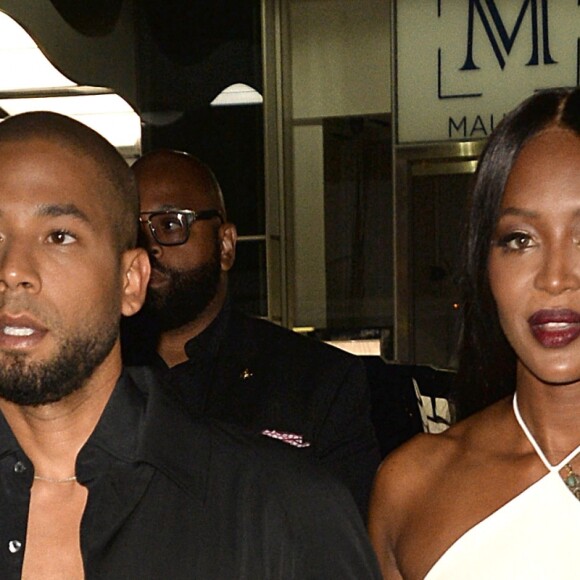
[[171, 228]]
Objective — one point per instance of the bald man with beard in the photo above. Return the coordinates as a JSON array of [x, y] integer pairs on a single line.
[[224, 364]]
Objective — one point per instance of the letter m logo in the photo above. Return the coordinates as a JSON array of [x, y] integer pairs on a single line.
[[501, 40]]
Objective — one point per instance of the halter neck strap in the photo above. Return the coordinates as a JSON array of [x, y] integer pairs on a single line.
[[535, 445]]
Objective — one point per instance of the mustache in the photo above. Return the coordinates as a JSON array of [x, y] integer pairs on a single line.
[[157, 265], [19, 304]]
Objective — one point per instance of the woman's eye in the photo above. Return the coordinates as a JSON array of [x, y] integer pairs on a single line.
[[61, 238], [516, 241]]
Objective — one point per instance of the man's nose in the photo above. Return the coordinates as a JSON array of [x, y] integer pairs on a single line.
[[147, 240], [18, 267]]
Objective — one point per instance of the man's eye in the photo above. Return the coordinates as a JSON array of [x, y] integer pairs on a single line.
[[61, 238], [170, 224]]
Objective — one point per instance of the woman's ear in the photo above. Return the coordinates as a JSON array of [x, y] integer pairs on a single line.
[[135, 272], [228, 236]]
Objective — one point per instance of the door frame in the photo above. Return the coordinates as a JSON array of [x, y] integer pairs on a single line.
[[436, 159]]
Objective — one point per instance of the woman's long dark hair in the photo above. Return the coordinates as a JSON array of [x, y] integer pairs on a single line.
[[487, 363]]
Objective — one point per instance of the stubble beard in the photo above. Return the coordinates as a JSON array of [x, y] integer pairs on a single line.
[[39, 383]]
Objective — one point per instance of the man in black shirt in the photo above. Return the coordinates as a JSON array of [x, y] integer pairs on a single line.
[[102, 474], [224, 364]]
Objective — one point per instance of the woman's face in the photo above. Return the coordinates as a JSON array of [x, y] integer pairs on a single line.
[[534, 260]]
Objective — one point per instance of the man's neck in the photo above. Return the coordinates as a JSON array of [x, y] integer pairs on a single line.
[[171, 345], [52, 435]]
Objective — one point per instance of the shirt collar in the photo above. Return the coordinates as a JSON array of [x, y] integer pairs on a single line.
[[141, 423], [8, 443], [205, 345], [116, 432]]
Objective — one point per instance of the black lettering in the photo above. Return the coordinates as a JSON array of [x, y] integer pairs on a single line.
[[498, 35], [478, 127], [460, 127]]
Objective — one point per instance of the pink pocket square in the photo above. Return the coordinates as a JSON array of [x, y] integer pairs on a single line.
[[290, 438]]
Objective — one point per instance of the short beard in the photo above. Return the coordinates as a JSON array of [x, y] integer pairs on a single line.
[[189, 293], [40, 383]]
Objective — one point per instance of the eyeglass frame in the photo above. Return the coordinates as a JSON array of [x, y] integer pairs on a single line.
[[191, 216]]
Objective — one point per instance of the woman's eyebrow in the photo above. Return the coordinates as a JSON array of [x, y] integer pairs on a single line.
[[518, 212]]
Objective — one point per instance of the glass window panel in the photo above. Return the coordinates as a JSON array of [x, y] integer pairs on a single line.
[[358, 221], [248, 283], [437, 222]]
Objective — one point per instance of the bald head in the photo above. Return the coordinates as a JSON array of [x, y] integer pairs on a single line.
[[118, 189], [170, 167]]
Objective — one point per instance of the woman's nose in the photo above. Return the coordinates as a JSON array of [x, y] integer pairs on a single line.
[[560, 269]]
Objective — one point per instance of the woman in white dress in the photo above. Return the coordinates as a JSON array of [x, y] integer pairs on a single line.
[[497, 495]]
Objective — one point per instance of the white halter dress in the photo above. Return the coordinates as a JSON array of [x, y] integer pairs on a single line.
[[533, 536]]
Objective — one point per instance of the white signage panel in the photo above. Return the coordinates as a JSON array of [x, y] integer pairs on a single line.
[[461, 65]]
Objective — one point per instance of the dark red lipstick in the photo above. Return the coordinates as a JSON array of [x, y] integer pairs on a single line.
[[555, 328]]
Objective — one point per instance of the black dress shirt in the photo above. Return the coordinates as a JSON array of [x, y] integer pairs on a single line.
[[169, 497]]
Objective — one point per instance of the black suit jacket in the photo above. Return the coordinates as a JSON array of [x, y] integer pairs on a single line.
[[263, 377]]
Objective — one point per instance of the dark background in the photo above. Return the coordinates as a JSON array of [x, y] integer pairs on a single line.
[[188, 51]]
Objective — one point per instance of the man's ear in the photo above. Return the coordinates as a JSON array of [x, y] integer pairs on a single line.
[[135, 272], [228, 236]]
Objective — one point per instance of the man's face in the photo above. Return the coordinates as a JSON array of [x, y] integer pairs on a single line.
[[185, 294], [184, 278], [60, 275]]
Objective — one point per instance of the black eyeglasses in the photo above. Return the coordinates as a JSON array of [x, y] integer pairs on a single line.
[[172, 227]]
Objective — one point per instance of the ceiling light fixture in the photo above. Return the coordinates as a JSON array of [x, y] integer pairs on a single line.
[[238, 94], [29, 82]]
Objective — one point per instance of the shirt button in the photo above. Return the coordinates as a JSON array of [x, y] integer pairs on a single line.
[[19, 467], [14, 546]]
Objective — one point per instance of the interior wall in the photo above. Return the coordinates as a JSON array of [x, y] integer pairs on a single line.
[[340, 67], [340, 57]]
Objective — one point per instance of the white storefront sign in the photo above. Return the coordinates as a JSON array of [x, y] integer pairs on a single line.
[[461, 65]]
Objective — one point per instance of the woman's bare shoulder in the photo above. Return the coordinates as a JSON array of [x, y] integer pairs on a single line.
[[428, 457], [421, 456], [399, 487], [420, 475]]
